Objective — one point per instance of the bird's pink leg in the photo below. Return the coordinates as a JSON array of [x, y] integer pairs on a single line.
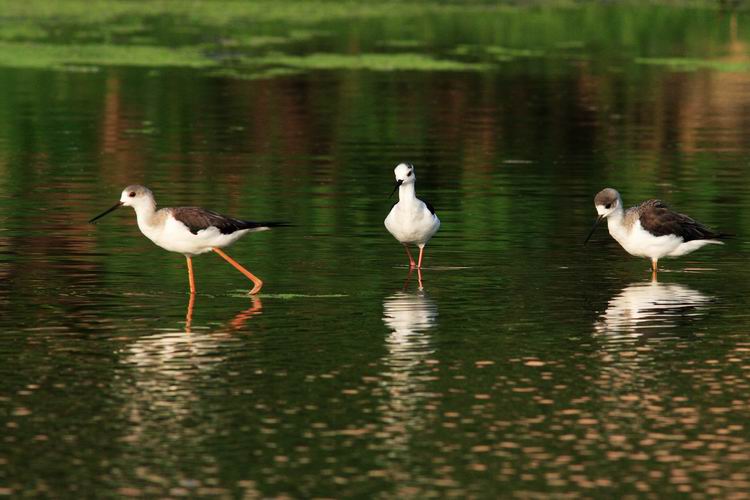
[[419, 279], [257, 281], [412, 264], [653, 269], [421, 252], [190, 274]]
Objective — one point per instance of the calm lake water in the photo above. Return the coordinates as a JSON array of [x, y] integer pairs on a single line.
[[527, 365]]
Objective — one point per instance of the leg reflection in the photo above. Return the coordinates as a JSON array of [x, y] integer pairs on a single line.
[[236, 323], [408, 279], [255, 309], [189, 315], [419, 279]]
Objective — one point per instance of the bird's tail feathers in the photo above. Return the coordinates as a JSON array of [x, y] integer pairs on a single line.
[[263, 226]]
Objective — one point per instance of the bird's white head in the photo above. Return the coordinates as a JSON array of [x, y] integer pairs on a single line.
[[136, 196], [607, 201], [405, 176], [404, 173], [139, 197]]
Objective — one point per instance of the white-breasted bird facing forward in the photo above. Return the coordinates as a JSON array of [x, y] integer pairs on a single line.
[[411, 221]]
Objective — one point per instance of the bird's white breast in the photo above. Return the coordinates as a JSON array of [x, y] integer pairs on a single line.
[[412, 223], [639, 242]]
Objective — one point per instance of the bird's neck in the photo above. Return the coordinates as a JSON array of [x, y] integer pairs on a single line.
[[615, 220], [145, 213], [406, 193]]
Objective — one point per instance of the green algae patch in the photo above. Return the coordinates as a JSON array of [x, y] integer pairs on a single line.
[[371, 62], [279, 64], [403, 44], [512, 53], [689, 64], [262, 41], [243, 74], [37, 55], [225, 12], [291, 296], [22, 31], [64, 56], [497, 53]]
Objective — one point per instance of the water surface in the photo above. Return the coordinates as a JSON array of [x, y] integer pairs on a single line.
[[527, 364]]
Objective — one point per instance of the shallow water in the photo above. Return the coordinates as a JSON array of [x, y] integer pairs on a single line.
[[528, 364]]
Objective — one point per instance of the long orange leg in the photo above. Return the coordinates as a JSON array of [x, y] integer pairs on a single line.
[[653, 269], [190, 274], [419, 279], [257, 281], [412, 264], [421, 252]]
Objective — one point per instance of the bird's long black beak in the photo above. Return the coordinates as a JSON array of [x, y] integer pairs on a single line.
[[596, 223], [398, 185], [117, 205]]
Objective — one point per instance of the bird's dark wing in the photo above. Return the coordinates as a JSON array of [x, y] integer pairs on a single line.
[[429, 207], [658, 219], [197, 219]]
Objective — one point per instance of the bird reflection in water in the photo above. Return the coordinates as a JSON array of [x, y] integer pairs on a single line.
[[408, 315], [256, 307], [642, 307], [163, 371], [408, 347], [169, 344], [420, 286]]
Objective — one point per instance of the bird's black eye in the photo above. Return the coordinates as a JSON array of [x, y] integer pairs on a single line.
[[132, 195], [409, 174], [607, 206]]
